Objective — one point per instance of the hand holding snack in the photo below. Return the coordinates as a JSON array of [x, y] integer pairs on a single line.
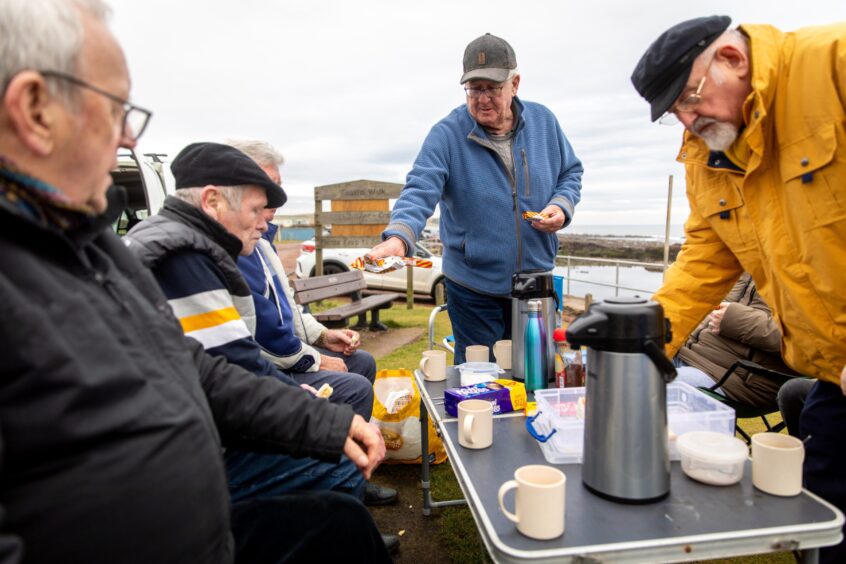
[[548, 220], [325, 391], [344, 341], [392, 246], [364, 446]]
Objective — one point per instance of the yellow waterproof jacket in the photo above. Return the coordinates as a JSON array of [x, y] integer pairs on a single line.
[[784, 219]]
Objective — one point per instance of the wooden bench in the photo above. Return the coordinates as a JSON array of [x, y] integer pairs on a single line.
[[308, 290]]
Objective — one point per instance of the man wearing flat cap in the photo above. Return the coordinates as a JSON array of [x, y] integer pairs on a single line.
[[191, 246], [485, 164], [765, 157]]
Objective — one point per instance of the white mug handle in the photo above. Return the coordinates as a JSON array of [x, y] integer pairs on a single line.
[[423, 365], [468, 428], [503, 489]]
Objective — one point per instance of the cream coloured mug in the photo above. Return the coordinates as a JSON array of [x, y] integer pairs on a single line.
[[502, 354], [539, 501], [777, 463], [477, 353], [475, 423], [433, 366]]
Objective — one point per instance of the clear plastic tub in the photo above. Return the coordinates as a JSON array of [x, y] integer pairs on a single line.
[[562, 410], [712, 458]]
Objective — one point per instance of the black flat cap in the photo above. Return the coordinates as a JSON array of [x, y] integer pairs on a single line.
[[662, 72], [201, 164]]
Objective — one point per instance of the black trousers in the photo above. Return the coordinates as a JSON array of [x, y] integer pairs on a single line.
[[822, 423], [306, 527]]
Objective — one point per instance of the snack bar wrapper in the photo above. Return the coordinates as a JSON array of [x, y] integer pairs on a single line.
[[505, 395], [534, 216], [388, 264]]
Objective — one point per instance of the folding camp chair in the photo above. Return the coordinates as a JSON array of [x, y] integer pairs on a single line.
[[742, 410]]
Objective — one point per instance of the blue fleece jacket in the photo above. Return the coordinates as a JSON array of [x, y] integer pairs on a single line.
[[485, 238]]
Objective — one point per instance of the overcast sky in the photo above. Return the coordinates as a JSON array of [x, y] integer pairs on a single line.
[[349, 89]]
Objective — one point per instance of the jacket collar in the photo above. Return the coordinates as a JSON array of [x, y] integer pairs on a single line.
[[45, 207], [188, 214]]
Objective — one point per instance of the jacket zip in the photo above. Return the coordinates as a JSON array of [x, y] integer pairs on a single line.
[[526, 173], [512, 177]]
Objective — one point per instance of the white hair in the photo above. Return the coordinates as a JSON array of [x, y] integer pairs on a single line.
[[44, 35], [194, 196], [511, 74], [262, 152], [733, 37]]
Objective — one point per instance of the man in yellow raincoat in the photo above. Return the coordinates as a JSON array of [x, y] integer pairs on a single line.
[[765, 157]]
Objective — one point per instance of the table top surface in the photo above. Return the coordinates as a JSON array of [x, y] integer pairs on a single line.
[[694, 521]]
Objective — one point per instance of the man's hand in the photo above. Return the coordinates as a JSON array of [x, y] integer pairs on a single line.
[[332, 363], [843, 380], [365, 446], [555, 219], [390, 247], [344, 341], [715, 318]]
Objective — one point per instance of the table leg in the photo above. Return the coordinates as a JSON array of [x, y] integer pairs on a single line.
[[424, 458], [809, 556], [428, 502]]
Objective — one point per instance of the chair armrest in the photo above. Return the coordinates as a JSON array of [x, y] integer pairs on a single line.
[[754, 368]]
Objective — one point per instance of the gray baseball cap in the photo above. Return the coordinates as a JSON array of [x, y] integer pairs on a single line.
[[488, 58]]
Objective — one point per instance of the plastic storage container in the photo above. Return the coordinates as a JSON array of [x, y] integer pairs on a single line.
[[562, 410], [712, 458], [478, 372]]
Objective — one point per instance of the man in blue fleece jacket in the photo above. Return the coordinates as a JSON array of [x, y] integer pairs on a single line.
[[485, 164]]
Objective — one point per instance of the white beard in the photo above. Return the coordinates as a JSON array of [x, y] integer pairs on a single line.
[[719, 136]]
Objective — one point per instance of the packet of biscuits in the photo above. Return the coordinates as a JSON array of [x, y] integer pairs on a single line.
[[388, 264], [534, 216]]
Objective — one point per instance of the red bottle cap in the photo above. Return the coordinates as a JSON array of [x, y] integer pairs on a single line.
[[559, 335]]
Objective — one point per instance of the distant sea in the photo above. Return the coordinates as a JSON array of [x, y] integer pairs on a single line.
[[643, 232]]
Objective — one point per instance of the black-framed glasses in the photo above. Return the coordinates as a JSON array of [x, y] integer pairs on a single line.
[[686, 104], [135, 119], [475, 93]]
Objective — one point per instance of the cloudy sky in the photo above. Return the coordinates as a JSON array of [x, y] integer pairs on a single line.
[[349, 89]]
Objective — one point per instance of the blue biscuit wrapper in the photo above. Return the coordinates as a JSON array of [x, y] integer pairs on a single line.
[[506, 395]]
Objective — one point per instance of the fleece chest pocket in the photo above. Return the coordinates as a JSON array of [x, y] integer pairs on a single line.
[[813, 179]]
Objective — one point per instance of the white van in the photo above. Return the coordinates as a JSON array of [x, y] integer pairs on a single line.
[[147, 180]]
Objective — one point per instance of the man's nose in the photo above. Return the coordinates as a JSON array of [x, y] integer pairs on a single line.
[[687, 119], [127, 141], [262, 226]]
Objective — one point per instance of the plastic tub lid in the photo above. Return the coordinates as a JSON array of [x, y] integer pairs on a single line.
[[711, 446], [480, 368]]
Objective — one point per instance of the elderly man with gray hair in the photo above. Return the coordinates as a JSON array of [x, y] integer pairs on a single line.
[[112, 422], [765, 157]]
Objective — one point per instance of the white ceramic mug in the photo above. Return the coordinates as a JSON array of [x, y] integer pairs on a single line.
[[433, 366], [777, 463], [502, 353], [539, 501], [475, 423], [477, 353]]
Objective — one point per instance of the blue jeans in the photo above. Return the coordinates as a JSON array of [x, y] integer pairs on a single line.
[[476, 319], [821, 425], [258, 476]]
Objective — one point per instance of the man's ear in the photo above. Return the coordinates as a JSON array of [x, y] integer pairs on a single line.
[[211, 201], [515, 82], [733, 58], [32, 112]]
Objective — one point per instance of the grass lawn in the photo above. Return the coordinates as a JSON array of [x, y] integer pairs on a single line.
[[457, 530]]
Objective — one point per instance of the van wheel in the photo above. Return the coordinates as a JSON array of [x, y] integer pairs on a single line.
[[329, 268]]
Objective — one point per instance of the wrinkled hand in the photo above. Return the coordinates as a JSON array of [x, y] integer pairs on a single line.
[[332, 363], [554, 221], [843, 380], [390, 247], [715, 318], [309, 389], [365, 446], [344, 341]]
